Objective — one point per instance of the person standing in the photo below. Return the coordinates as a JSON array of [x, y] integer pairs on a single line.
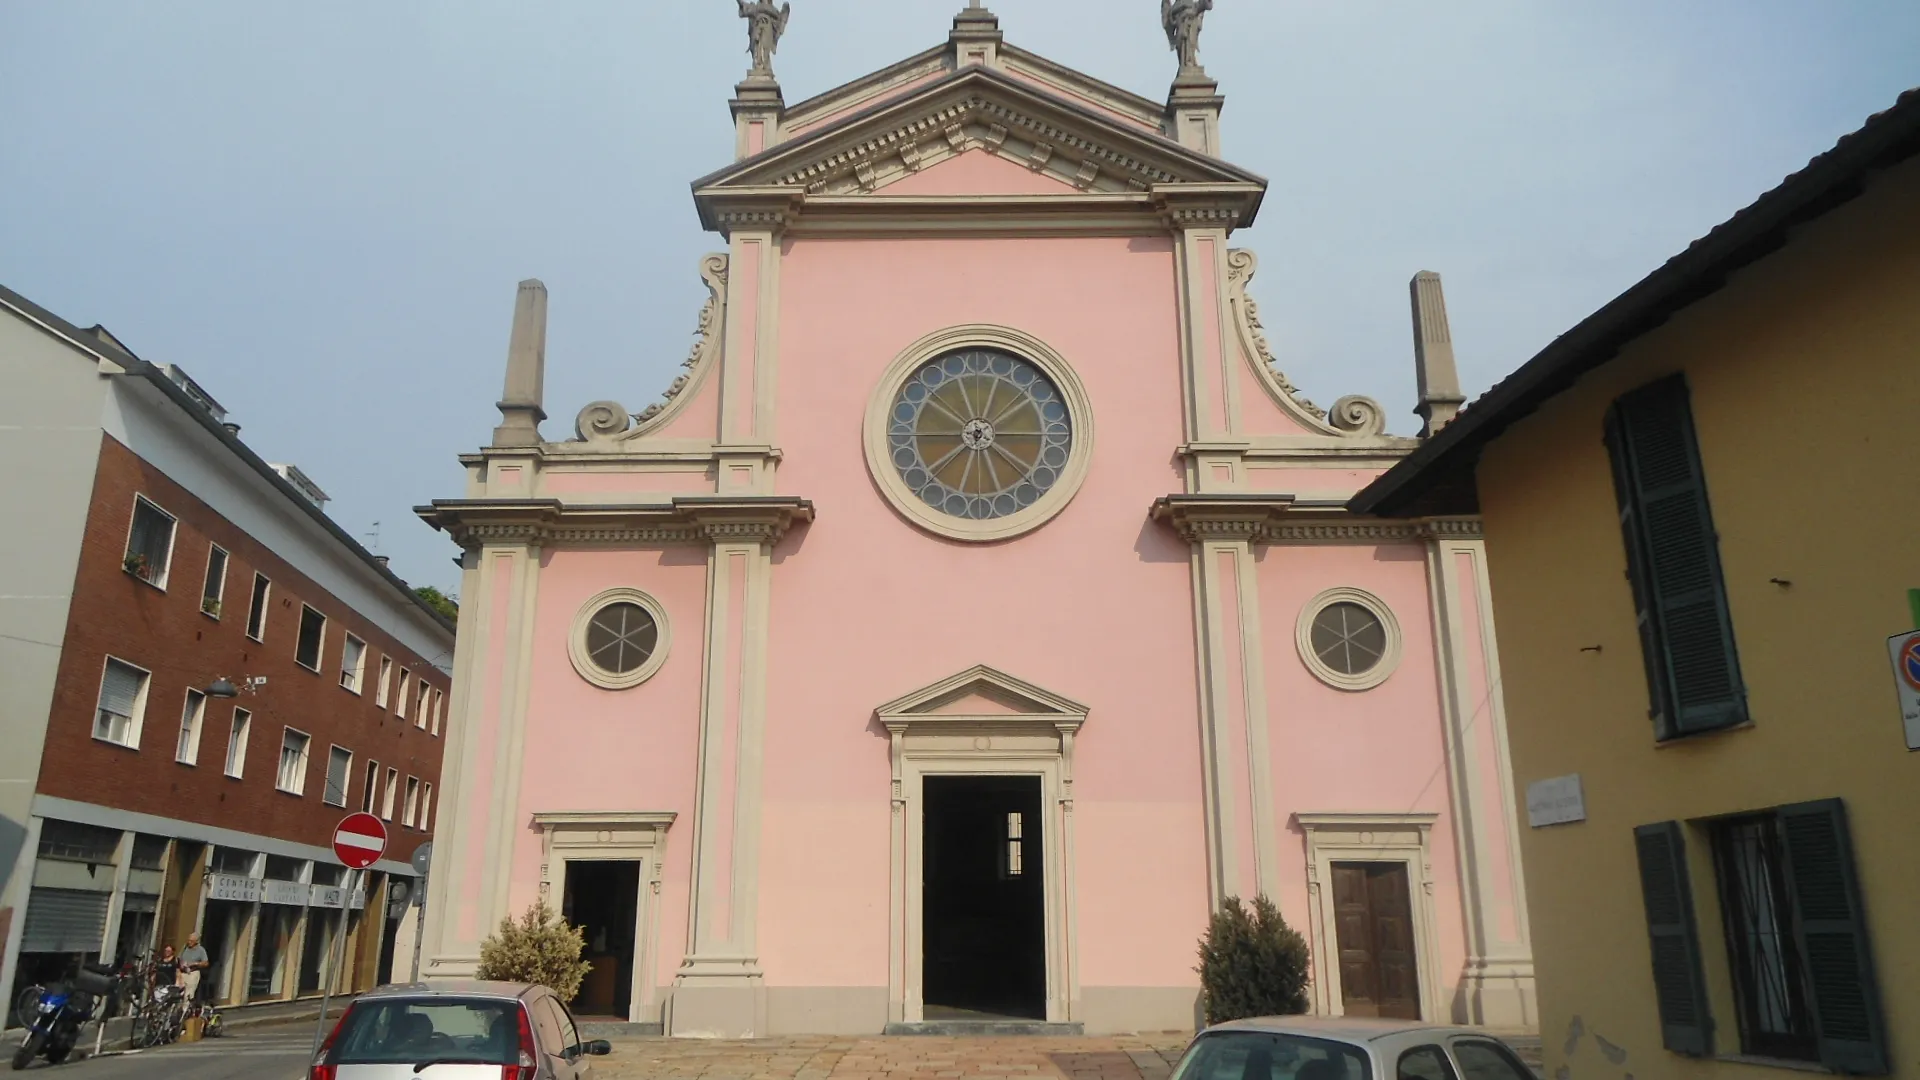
[[193, 961], [166, 969]]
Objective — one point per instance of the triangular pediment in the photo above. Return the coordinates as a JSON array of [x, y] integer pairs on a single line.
[[976, 109], [981, 692], [977, 172]]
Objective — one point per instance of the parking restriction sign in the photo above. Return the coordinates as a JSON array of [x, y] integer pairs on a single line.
[[1904, 649]]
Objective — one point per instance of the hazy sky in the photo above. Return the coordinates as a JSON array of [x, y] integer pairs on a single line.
[[320, 211]]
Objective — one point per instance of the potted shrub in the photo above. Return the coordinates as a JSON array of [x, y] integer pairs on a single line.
[[1252, 963], [540, 947], [210, 606], [136, 564]]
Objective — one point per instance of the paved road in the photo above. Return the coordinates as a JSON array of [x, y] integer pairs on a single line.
[[277, 1052]]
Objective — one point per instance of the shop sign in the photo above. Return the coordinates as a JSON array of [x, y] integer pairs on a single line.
[[292, 893], [329, 896], [233, 887]]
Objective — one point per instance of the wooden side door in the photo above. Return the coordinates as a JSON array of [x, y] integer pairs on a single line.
[[1373, 925]]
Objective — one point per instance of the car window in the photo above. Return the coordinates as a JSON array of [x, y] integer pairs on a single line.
[[1484, 1059], [569, 1034], [481, 1031], [1259, 1055], [1424, 1063], [546, 1027]]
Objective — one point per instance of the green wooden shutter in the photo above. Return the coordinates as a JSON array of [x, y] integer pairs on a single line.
[[1686, 1025], [1673, 559], [1831, 929]]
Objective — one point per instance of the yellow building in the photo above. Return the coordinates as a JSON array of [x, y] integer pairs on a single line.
[[1702, 517]]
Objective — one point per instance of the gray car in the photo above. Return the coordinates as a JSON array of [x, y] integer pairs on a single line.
[[465, 1030], [1340, 1048]]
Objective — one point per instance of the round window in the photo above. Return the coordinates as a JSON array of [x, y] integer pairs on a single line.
[[979, 433], [1348, 638], [619, 638]]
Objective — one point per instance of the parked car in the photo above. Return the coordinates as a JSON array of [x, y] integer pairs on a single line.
[[456, 1031], [1345, 1048]]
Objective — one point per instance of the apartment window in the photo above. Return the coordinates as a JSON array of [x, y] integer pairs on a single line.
[[380, 688], [372, 788], [123, 702], [257, 608], [214, 588], [339, 775], [70, 841], [191, 716], [149, 543], [313, 635], [412, 812], [1673, 562], [292, 777], [237, 743], [353, 657], [426, 806], [439, 702], [400, 695], [1796, 939], [420, 706], [387, 796]]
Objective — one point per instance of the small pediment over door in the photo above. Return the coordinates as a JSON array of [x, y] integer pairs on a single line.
[[982, 696]]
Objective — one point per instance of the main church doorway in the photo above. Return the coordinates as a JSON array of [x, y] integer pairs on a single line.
[[1379, 974], [984, 898]]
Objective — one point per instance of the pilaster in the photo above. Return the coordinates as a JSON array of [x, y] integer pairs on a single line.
[[1497, 984], [719, 991], [479, 786], [1201, 216], [753, 223]]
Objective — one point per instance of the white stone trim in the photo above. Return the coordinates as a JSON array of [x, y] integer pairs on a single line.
[[1303, 638], [979, 335], [639, 836], [1035, 740], [577, 638], [1370, 837]]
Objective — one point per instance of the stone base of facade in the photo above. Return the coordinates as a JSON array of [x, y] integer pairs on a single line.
[[1116, 1010], [826, 1010], [730, 1005], [1497, 994]]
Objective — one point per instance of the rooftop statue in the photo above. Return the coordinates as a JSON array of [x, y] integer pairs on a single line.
[[1181, 18], [765, 24]]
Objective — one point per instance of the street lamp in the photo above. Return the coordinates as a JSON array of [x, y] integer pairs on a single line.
[[224, 687]]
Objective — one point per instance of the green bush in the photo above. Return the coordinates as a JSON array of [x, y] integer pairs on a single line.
[[1252, 963], [539, 948]]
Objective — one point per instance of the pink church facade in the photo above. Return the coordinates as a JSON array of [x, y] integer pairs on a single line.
[[978, 610]]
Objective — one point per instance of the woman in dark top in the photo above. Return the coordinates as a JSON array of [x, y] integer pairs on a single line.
[[166, 968]]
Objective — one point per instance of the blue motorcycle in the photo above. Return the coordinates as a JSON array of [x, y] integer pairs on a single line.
[[53, 1021]]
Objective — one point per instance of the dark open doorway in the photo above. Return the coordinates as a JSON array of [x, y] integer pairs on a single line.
[[984, 907], [602, 898]]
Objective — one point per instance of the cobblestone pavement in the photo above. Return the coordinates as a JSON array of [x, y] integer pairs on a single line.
[[909, 1057]]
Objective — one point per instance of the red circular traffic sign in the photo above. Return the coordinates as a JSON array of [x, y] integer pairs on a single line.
[[360, 840]]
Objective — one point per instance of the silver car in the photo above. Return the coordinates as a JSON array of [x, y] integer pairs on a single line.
[[456, 1031], [1340, 1048]]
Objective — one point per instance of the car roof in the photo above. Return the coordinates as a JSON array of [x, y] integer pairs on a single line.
[[1350, 1028], [452, 988]]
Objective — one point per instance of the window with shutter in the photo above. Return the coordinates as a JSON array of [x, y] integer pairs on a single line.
[[123, 691], [1831, 931], [1686, 1024], [1673, 562]]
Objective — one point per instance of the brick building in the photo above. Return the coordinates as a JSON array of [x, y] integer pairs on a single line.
[[205, 673]]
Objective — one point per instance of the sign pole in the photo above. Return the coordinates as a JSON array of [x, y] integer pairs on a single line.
[[332, 970], [1913, 606], [419, 925]]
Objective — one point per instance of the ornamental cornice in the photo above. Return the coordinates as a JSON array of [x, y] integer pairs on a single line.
[[1275, 518], [692, 519]]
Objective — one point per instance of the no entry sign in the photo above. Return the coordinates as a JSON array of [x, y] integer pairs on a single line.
[[360, 840]]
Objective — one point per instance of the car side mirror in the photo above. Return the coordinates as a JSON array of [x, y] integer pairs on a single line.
[[598, 1048]]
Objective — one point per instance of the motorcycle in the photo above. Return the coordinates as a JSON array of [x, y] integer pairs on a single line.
[[53, 1022]]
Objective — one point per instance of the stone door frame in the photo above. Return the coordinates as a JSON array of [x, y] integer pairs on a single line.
[[614, 836], [981, 722], [1370, 837]]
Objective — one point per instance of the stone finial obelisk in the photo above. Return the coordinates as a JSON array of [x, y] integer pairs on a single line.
[[1433, 368], [520, 411], [975, 37]]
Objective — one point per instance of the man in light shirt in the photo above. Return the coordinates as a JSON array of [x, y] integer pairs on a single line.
[[193, 961]]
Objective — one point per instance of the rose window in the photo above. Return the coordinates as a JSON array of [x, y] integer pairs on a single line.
[[979, 433]]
